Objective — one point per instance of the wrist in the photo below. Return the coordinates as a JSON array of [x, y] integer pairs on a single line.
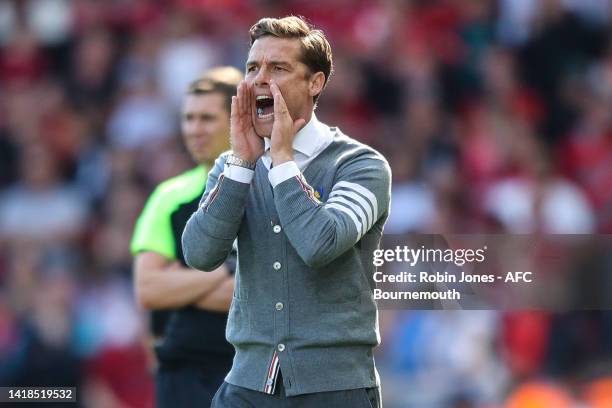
[[280, 158], [237, 160], [218, 275], [244, 153], [246, 157]]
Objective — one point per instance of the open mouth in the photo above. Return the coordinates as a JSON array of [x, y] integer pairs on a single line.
[[264, 106]]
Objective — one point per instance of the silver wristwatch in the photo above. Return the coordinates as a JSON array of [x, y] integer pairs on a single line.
[[237, 161]]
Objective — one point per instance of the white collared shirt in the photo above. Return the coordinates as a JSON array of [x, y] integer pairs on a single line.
[[308, 143]]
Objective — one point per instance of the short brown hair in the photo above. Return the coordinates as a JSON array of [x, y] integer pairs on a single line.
[[316, 51], [223, 80]]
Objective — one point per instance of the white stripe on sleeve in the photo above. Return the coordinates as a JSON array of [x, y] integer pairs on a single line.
[[361, 190], [356, 197], [350, 214], [365, 225]]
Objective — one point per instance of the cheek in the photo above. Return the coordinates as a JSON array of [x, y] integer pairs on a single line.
[[188, 137], [220, 125], [184, 128], [213, 131], [218, 132], [249, 79], [295, 96]]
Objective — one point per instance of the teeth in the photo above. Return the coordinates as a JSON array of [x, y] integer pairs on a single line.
[[261, 115], [260, 97]]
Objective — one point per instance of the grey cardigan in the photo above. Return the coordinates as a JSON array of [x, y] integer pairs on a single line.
[[302, 298]]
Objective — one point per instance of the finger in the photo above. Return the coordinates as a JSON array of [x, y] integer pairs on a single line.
[[234, 107], [280, 108], [243, 96], [249, 99], [239, 99]]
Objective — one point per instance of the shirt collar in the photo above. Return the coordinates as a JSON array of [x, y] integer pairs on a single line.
[[308, 139]]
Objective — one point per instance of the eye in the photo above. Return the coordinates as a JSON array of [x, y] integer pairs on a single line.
[[279, 68], [250, 68]]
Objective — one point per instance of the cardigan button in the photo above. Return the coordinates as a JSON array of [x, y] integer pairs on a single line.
[[276, 229], [279, 306], [276, 265], [281, 347]]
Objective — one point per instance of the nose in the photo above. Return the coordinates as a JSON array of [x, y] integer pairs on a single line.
[[197, 127], [262, 77]]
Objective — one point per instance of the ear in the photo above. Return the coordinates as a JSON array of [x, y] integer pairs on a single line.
[[317, 81]]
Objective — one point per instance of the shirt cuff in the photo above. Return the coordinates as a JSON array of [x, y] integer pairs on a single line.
[[237, 173], [283, 172]]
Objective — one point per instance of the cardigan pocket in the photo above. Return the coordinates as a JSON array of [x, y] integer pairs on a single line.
[[338, 287]]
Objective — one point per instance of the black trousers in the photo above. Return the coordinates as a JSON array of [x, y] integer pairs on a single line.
[[231, 396], [186, 385]]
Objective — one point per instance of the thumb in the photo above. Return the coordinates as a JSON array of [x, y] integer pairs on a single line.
[[298, 124]]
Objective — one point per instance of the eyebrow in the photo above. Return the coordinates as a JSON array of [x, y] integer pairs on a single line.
[[202, 115], [273, 62]]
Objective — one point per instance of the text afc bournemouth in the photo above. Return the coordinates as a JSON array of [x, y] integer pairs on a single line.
[[437, 277]]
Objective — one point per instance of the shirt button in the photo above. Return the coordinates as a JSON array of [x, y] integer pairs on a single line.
[[281, 347], [276, 229], [276, 265], [279, 306]]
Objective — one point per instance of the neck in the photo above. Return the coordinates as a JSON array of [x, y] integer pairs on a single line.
[[206, 163], [308, 116]]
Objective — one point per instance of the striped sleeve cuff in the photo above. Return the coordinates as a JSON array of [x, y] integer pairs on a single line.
[[237, 173], [283, 172]]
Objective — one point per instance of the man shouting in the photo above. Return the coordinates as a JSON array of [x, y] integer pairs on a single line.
[[305, 203]]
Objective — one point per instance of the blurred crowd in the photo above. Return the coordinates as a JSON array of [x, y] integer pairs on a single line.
[[494, 114]]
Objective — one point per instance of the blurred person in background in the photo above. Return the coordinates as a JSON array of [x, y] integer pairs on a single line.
[[41, 186], [537, 198], [37, 329], [189, 337]]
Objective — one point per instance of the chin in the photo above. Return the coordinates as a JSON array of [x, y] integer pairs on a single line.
[[199, 159], [263, 131]]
